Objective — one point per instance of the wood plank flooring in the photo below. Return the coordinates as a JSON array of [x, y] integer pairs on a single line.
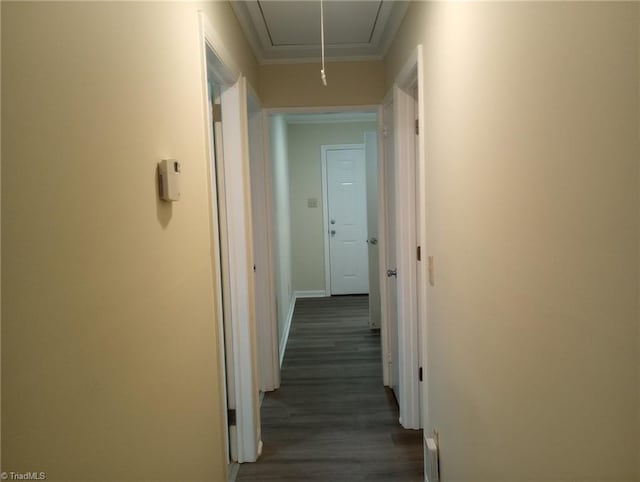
[[332, 420]]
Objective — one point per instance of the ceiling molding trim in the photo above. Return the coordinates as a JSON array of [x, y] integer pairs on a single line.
[[331, 118], [393, 25], [322, 109], [241, 11], [314, 60]]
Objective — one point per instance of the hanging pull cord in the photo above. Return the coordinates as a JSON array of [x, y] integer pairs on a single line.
[[323, 75]]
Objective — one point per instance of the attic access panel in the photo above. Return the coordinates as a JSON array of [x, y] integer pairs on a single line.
[[298, 23]]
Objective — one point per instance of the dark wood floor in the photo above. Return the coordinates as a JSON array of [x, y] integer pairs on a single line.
[[332, 420]]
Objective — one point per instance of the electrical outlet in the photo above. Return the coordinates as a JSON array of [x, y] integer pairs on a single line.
[[431, 460]]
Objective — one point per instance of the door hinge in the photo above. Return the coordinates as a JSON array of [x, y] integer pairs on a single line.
[[418, 254], [231, 416], [216, 112], [420, 374], [417, 126]]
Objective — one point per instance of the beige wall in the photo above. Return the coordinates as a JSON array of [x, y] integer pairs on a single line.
[[531, 145], [299, 85], [109, 343], [305, 181]]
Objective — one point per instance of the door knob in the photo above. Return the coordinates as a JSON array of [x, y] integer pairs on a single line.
[[372, 240], [333, 232], [333, 221], [392, 272]]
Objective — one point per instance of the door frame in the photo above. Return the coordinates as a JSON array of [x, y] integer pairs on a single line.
[[408, 292], [239, 255], [315, 110], [325, 208]]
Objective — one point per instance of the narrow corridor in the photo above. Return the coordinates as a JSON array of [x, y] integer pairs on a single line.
[[332, 420]]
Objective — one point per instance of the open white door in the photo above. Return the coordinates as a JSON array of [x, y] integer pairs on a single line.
[[219, 257], [240, 261], [264, 279], [389, 271], [371, 160], [410, 229]]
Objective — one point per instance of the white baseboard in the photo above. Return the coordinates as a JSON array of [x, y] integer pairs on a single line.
[[292, 307], [310, 294], [287, 326], [233, 471]]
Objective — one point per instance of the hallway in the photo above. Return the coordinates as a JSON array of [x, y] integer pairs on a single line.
[[332, 419]]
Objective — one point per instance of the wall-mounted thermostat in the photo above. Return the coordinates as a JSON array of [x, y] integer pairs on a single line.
[[169, 178]]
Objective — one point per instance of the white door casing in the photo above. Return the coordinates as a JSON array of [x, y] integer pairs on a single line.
[[344, 174], [418, 242]]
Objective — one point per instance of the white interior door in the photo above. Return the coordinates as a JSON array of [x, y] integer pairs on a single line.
[[390, 250], [264, 280], [406, 233], [371, 160], [239, 249], [220, 255], [347, 215]]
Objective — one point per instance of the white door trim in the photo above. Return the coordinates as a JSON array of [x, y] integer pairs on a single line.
[[423, 238], [325, 209], [239, 256], [408, 232]]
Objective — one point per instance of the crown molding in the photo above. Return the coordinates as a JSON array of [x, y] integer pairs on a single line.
[[331, 118]]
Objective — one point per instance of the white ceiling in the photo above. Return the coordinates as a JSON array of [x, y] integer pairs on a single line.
[[289, 31]]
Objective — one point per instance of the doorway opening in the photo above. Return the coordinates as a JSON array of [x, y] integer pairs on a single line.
[[332, 390], [324, 183], [225, 106]]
